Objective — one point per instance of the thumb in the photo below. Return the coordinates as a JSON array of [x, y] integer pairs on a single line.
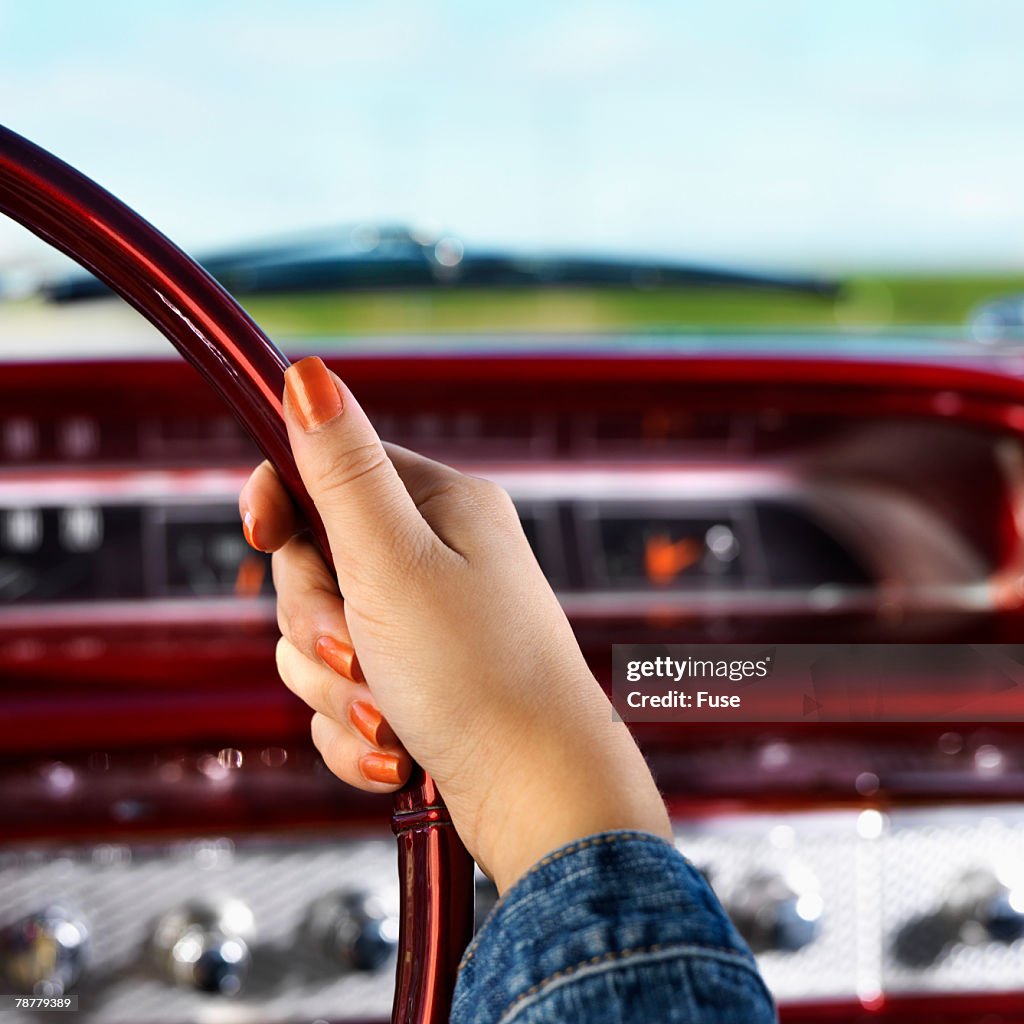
[[372, 523]]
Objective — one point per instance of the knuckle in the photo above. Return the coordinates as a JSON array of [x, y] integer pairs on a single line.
[[281, 658], [476, 492], [283, 576], [320, 732], [327, 741], [492, 498], [344, 468], [292, 620], [295, 621], [326, 685], [499, 497], [299, 594]]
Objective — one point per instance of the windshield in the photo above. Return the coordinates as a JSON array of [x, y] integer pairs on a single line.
[[864, 145]]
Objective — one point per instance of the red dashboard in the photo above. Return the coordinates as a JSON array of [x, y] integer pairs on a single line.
[[674, 490]]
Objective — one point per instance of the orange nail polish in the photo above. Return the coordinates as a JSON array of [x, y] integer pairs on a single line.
[[370, 724], [249, 530], [380, 768], [340, 657], [312, 392]]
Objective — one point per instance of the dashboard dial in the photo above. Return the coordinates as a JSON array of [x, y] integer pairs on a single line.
[[206, 555], [90, 552], [681, 550], [73, 552]]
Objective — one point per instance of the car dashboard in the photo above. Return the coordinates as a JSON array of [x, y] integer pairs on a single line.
[[675, 488]]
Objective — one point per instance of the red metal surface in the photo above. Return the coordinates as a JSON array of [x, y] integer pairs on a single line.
[[876, 385], [216, 336]]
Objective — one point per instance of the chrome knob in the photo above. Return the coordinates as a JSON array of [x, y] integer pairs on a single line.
[[996, 904], [982, 907], [355, 928], [205, 946], [1002, 914], [779, 914], [44, 953]]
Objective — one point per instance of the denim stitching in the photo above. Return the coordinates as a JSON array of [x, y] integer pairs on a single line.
[[610, 961]]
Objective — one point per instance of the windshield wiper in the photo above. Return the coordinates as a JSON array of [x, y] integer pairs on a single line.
[[373, 258]]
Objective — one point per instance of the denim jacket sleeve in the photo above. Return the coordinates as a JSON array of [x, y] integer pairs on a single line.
[[618, 928]]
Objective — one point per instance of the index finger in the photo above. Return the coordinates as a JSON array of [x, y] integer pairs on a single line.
[[269, 516]]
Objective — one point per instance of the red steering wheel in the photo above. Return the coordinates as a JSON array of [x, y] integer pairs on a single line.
[[218, 338]]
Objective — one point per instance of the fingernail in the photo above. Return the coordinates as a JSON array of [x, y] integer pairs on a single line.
[[249, 529], [312, 392], [380, 768], [341, 657], [370, 724]]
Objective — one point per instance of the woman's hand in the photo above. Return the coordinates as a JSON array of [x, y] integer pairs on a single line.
[[449, 644]]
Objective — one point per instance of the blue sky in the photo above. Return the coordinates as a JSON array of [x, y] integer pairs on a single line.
[[826, 134]]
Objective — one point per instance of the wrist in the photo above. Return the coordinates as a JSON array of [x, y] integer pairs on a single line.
[[562, 795]]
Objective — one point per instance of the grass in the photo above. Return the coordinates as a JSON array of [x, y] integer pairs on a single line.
[[873, 302]]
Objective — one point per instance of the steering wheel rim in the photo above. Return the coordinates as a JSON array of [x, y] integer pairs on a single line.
[[208, 327]]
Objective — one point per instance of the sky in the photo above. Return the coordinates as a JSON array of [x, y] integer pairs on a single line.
[[810, 134]]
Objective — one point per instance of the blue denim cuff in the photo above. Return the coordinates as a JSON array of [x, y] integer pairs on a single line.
[[622, 903]]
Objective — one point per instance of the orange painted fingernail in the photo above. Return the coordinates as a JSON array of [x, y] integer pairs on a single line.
[[340, 657], [380, 768], [249, 530], [312, 392], [370, 724]]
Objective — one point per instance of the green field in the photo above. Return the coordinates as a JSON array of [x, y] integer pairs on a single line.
[[870, 302]]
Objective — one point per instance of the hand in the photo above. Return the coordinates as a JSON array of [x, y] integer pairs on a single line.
[[449, 645]]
